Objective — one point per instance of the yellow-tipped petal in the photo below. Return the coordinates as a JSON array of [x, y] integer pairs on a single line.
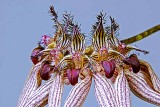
[[51, 45], [88, 50]]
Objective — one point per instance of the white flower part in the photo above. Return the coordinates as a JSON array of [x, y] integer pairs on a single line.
[[122, 90], [141, 89], [78, 93], [55, 94], [40, 95], [104, 91], [32, 83]]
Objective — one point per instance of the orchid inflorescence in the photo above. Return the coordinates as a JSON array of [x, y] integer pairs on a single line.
[[65, 59]]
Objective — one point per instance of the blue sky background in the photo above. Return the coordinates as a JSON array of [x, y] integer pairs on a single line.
[[23, 22]]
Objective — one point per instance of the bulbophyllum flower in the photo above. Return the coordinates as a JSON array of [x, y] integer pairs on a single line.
[[129, 74], [65, 60]]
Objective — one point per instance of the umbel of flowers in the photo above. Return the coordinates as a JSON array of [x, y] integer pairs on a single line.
[[65, 59]]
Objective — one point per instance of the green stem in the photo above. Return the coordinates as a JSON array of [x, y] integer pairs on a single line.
[[141, 35]]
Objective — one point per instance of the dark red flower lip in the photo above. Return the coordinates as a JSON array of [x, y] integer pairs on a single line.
[[73, 75], [109, 67], [46, 70], [134, 62]]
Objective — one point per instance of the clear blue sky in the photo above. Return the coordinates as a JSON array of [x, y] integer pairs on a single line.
[[23, 22]]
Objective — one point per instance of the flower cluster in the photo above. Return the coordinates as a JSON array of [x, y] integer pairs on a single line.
[[65, 59]]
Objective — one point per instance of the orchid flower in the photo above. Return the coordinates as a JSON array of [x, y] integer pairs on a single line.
[[64, 59]]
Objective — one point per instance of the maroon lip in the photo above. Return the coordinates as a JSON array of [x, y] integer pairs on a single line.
[[73, 75], [134, 62], [45, 71], [109, 68], [34, 54]]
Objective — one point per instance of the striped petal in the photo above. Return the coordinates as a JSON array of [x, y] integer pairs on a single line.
[[122, 90], [141, 89], [32, 83], [55, 94], [78, 93], [99, 37], [78, 40], [147, 71], [40, 96], [104, 91]]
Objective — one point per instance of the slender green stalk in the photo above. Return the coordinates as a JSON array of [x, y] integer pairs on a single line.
[[142, 35]]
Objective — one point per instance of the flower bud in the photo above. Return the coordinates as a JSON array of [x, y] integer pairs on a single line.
[[34, 54]]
